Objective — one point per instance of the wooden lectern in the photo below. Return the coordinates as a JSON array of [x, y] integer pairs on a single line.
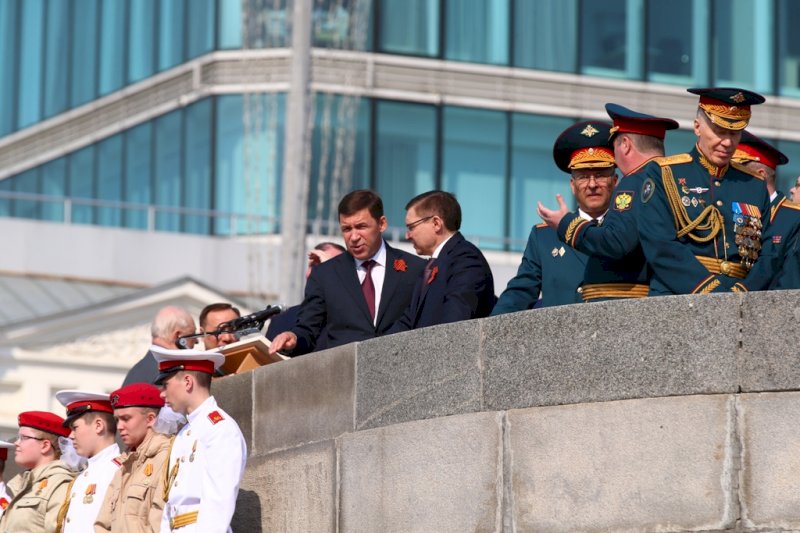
[[249, 353]]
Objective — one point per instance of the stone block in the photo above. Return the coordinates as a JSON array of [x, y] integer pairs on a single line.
[[442, 475], [235, 395], [604, 351], [305, 399], [292, 490], [420, 374], [660, 464], [769, 343], [770, 460]]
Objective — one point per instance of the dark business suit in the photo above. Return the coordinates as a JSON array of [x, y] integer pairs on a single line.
[[333, 297], [145, 371], [461, 288]]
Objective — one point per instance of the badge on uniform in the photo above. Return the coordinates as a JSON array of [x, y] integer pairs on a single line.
[[648, 188], [623, 201], [3, 504], [747, 227], [41, 487], [88, 496], [215, 417]]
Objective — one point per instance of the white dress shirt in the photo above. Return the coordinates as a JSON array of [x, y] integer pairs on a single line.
[[378, 275]]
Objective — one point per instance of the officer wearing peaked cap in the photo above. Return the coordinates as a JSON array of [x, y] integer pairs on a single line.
[[92, 428], [637, 139], [549, 267], [134, 502], [702, 216], [38, 493], [4, 497], [762, 158], [208, 456]]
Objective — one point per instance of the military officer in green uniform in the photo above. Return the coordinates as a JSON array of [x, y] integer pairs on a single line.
[[549, 268], [616, 267], [762, 158], [702, 216]]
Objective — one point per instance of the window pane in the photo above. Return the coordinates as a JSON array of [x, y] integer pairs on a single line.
[[343, 24], [474, 169], [201, 27], [788, 47], [56, 63], [138, 176], [112, 46], [405, 155], [109, 180], [198, 165], [27, 182], [168, 170], [142, 39], [339, 156], [5, 203], [679, 141], [477, 31], [81, 184], [410, 27], [228, 169], [30, 69], [534, 174], [230, 23], [738, 55], [84, 42], [788, 173], [611, 42], [53, 184], [8, 60], [265, 26], [677, 42], [545, 34], [170, 33]]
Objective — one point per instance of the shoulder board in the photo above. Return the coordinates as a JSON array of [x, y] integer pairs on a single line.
[[742, 168], [542, 225], [119, 460], [215, 417], [673, 159], [791, 205]]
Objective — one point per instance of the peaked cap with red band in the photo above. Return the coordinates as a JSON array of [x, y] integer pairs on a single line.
[[4, 447], [584, 145], [629, 121], [136, 395], [752, 148], [43, 421], [728, 107], [171, 361], [79, 402]]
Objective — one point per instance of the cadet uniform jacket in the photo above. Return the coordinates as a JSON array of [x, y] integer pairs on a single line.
[[205, 468], [36, 499], [87, 492], [4, 498], [135, 501], [549, 268], [710, 206]]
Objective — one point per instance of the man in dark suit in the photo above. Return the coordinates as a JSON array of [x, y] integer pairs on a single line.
[[457, 282], [362, 292], [169, 323]]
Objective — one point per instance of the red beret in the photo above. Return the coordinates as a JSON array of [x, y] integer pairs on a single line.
[[136, 395], [44, 421]]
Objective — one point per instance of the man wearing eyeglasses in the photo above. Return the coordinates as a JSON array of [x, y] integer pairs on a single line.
[[210, 319], [549, 268], [360, 294], [38, 493], [457, 283]]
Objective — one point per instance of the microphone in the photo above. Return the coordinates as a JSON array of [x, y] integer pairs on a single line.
[[259, 317]]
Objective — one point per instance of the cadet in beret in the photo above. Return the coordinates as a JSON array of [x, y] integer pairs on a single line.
[[637, 139], [38, 493], [91, 423], [208, 457], [4, 497], [549, 267], [135, 499], [701, 216]]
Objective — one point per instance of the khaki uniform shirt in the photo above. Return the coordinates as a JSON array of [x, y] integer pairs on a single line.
[[36, 498], [135, 500]]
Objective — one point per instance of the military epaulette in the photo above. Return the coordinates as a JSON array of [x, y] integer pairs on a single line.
[[749, 172], [542, 225], [673, 159], [215, 417], [791, 205], [119, 460]]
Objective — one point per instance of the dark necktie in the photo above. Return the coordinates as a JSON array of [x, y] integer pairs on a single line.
[[368, 288], [426, 275]]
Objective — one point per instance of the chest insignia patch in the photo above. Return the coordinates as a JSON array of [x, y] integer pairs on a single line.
[[623, 201], [648, 188]]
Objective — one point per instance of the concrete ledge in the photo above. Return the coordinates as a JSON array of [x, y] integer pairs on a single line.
[[235, 395]]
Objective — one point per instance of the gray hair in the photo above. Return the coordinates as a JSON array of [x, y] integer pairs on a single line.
[[168, 320]]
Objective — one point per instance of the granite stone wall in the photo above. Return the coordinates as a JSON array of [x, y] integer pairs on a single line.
[[664, 414]]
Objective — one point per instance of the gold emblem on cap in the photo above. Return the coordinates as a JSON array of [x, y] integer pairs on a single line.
[[590, 131], [738, 97]]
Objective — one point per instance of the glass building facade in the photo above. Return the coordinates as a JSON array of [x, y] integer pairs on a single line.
[[214, 167]]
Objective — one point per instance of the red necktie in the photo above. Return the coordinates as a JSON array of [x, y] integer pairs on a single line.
[[426, 275], [368, 288]]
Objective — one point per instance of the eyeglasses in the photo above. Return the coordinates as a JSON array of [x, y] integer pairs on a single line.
[[582, 177], [23, 438], [416, 223]]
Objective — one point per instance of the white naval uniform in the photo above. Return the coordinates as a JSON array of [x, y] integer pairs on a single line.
[[83, 507], [5, 499], [210, 455]]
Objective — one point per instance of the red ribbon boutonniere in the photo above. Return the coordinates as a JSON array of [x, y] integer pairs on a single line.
[[400, 265], [434, 271], [682, 181]]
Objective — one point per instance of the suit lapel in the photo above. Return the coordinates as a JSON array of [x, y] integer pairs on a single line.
[[440, 263], [346, 271], [391, 279]]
